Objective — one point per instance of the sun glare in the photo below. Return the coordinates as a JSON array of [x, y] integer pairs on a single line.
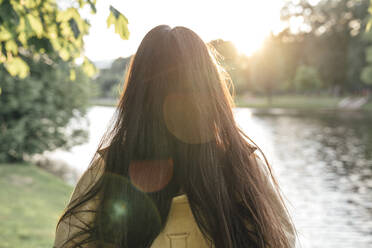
[[245, 23], [248, 46], [251, 22]]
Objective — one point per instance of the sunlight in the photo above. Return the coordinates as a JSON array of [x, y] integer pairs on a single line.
[[248, 46], [251, 22], [245, 23]]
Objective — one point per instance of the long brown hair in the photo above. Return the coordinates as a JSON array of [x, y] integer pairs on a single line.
[[174, 132]]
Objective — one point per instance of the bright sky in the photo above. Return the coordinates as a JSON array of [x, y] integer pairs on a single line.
[[244, 22]]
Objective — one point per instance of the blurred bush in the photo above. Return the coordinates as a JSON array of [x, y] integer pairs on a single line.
[[43, 92], [330, 39], [110, 80], [307, 79], [30, 28], [366, 74], [35, 112]]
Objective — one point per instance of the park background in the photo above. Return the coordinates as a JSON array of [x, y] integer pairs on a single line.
[[302, 75]]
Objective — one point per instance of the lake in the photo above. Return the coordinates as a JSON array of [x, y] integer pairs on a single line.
[[322, 160]]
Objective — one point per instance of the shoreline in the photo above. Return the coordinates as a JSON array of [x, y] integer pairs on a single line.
[[286, 102]]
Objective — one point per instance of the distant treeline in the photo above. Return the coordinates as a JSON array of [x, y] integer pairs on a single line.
[[110, 80], [330, 52]]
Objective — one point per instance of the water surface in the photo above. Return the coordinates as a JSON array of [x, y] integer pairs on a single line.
[[323, 162]]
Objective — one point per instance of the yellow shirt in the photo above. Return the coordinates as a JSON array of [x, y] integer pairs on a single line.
[[181, 230]]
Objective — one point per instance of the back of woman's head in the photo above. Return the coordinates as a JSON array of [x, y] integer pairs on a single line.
[[173, 132], [173, 79]]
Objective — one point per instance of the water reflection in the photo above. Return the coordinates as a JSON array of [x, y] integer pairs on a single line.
[[323, 162], [80, 156]]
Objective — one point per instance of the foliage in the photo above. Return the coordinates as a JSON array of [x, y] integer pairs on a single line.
[[31, 202], [120, 22], [266, 70], [366, 75], [235, 64], [307, 79], [338, 53], [331, 37], [109, 80], [369, 24], [35, 111], [38, 27], [42, 88], [297, 101]]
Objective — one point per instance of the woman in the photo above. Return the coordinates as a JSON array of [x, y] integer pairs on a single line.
[[174, 170]]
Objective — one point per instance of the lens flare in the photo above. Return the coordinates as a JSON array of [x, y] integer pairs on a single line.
[[126, 200], [151, 175], [185, 121], [119, 208]]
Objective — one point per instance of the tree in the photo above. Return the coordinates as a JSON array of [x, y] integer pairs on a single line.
[[110, 79], [42, 89], [266, 68], [307, 79], [33, 28], [366, 74], [35, 113], [332, 31], [228, 57]]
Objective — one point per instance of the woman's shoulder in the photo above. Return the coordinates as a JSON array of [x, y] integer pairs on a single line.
[[79, 214], [89, 177]]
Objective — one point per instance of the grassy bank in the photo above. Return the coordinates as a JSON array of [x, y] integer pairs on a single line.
[[286, 102], [294, 102], [291, 102], [368, 106], [104, 102], [31, 202]]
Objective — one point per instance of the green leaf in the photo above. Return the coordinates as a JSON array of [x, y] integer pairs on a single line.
[[17, 67], [8, 13], [64, 16], [65, 55], [92, 5], [115, 12], [110, 20], [81, 3], [120, 22], [88, 67], [23, 38], [72, 75], [121, 27], [35, 24], [5, 34], [11, 46], [74, 27], [369, 25]]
